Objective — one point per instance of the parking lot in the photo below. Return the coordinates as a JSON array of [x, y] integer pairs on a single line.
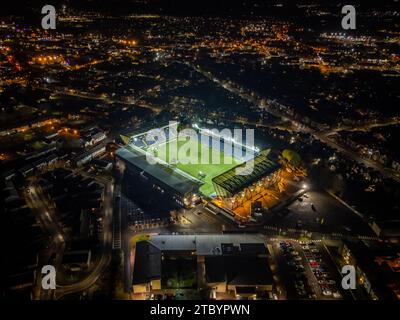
[[317, 211], [152, 223], [306, 270]]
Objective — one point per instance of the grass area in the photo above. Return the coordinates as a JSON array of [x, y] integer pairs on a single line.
[[191, 153], [179, 272]]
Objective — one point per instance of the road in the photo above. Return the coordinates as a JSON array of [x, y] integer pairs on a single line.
[[47, 217], [252, 98], [387, 172], [367, 126], [91, 96], [106, 247], [328, 216]]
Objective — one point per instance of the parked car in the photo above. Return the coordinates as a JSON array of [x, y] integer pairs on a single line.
[[326, 292]]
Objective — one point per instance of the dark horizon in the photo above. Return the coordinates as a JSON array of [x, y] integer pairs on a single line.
[[192, 8]]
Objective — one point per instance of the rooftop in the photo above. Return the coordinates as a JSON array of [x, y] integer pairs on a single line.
[[163, 173], [209, 245], [232, 182]]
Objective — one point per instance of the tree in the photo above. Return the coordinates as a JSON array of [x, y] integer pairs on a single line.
[[292, 157]]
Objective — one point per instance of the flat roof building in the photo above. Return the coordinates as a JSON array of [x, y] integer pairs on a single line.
[[233, 264], [162, 178]]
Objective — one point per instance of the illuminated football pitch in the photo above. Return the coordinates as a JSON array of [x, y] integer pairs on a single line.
[[202, 170]]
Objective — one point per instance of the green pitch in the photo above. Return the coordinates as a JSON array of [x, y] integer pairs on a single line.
[[193, 152]]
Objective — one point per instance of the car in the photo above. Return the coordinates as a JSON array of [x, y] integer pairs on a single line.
[[314, 250], [297, 258], [299, 285], [326, 287], [331, 282], [326, 275], [337, 295], [319, 274], [326, 292]]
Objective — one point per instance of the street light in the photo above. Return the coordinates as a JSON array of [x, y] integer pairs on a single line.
[[305, 186]]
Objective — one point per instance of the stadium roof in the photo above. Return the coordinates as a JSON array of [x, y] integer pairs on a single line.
[[162, 173], [232, 182], [126, 134]]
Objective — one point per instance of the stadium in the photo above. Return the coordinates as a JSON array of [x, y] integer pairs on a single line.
[[208, 172]]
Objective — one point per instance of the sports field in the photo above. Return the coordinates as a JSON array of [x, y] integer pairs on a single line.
[[192, 151]]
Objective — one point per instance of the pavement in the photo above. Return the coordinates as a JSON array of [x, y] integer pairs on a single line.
[[328, 216], [287, 276]]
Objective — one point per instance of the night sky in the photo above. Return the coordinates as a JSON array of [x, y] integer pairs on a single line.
[[192, 7]]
